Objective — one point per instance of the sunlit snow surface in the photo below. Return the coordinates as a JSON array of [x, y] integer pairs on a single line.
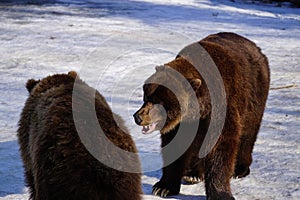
[[115, 45]]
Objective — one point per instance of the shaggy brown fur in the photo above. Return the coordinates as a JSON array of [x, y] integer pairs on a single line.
[[57, 165], [246, 78]]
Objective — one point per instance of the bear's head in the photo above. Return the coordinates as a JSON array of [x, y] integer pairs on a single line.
[[171, 95], [39, 86]]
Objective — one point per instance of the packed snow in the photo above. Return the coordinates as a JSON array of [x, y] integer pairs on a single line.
[[115, 45]]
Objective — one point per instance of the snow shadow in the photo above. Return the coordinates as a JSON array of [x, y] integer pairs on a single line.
[[189, 197], [215, 11], [18, 2], [147, 189], [11, 169]]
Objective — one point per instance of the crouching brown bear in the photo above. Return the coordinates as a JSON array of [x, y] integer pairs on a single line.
[[57, 164], [245, 74]]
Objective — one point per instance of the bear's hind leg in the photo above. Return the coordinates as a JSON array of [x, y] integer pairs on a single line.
[[247, 140], [195, 171], [244, 158]]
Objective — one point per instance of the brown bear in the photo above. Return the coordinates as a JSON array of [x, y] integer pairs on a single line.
[[57, 164], [246, 78]]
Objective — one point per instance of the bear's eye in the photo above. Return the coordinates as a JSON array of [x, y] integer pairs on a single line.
[[145, 98], [148, 99], [152, 99]]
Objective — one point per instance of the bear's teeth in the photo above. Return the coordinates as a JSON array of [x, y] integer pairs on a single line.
[[149, 128], [145, 129]]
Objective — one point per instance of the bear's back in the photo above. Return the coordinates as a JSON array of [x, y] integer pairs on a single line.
[[243, 67], [57, 164]]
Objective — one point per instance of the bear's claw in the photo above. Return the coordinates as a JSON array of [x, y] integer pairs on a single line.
[[159, 192], [191, 179], [155, 191], [241, 171], [164, 189]]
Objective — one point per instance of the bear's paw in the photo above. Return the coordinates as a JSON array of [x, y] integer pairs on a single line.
[[164, 189], [241, 171], [191, 180]]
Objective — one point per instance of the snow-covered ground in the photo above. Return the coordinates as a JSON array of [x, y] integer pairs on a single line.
[[114, 45]]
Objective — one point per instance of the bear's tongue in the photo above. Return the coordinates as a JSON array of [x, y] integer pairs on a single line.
[[150, 128]]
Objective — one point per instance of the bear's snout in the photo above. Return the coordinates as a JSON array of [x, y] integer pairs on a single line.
[[137, 118]]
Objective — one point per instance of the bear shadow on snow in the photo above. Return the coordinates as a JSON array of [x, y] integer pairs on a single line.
[[147, 189], [57, 164], [245, 74], [10, 169]]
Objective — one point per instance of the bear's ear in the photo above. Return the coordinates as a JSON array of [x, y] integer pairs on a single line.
[[73, 74], [160, 68], [30, 84], [195, 83]]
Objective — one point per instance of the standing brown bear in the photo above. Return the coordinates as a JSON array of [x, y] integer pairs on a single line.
[[246, 78], [57, 164]]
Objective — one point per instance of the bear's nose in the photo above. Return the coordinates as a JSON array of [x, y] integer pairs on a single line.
[[137, 118]]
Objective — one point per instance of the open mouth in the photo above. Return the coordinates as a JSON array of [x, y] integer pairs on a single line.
[[150, 128]]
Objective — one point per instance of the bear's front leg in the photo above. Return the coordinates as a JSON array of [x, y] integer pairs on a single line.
[[170, 182], [219, 169]]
